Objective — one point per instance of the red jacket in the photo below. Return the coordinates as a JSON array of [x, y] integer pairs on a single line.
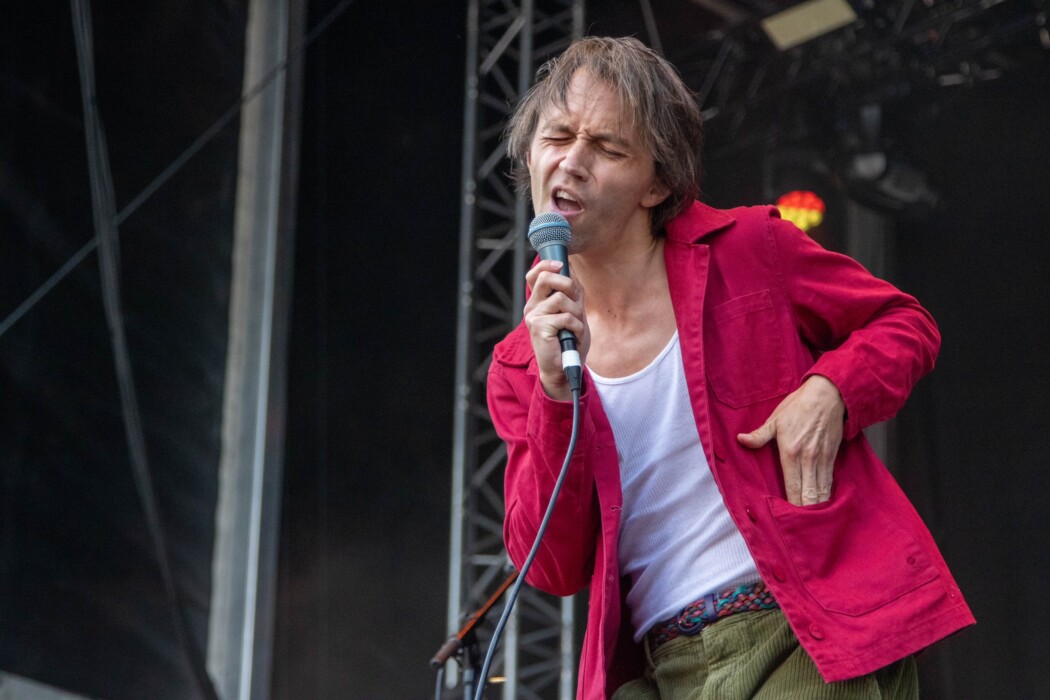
[[759, 307]]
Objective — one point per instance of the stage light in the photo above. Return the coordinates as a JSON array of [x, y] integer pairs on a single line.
[[802, 208], [808, 20]]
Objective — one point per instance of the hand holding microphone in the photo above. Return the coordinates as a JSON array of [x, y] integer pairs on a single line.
[[556, 305]]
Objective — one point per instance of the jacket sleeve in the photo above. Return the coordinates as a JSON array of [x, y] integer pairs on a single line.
[[873, 341], [536, 430]]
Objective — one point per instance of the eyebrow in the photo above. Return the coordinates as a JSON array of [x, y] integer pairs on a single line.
[[610, 137]]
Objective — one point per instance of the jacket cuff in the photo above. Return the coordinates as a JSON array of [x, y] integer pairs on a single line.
[[550, 421]]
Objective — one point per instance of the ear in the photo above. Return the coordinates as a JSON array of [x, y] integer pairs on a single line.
[[656, 195]]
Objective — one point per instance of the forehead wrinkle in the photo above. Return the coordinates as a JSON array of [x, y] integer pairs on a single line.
[[561, 123], [554, 108]]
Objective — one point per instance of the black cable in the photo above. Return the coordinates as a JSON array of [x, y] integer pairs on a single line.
[[104, 207], [483, 678], [217, 126]]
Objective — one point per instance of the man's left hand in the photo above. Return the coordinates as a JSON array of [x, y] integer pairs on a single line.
[[807, 426]]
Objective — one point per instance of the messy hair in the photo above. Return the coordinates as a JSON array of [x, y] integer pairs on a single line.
[[655, 102]]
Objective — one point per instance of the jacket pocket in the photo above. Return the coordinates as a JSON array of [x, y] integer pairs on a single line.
[[747, 361], [851, 558]]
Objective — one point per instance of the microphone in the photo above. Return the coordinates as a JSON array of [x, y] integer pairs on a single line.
[[549, 234]]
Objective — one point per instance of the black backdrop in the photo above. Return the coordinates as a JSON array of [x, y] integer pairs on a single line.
[[364, 548], [975, 451], [361, 600], [81, 600]]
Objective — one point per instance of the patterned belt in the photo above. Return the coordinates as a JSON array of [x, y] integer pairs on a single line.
[[710, 609]]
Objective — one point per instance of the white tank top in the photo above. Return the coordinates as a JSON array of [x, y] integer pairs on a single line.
[[677, 540]]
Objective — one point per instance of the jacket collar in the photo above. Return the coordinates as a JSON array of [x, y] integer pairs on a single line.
[[696, 222]]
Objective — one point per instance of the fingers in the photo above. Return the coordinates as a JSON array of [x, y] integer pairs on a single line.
[[825, 473], [792, 481], [556, 304], [545, 277], [807, 473], [807, 426], [552, 292], [808, 468], [808, 460], [758, 437], [807, 476]]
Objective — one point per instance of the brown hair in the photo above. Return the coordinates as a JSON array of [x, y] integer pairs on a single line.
[[655, 101]]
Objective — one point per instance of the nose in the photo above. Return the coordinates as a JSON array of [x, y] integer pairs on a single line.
[[574, 161]]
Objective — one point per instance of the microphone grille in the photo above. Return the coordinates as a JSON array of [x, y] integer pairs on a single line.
[[547, 228]]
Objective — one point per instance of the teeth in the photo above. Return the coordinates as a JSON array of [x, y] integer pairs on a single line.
[[561, 194]]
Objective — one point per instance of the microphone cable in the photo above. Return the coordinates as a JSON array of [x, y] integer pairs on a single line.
[[483, 678], [438, 682]]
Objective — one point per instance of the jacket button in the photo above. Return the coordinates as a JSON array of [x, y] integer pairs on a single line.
[[816, 631], [778, 574], [751, 514]]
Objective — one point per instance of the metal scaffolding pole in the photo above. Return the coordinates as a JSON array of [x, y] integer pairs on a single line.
[[248, 512], [506, 43]]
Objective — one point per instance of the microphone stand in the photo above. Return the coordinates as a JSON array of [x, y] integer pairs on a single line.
[[464, 644]]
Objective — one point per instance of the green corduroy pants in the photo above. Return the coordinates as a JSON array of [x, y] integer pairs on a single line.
[[755, 656]]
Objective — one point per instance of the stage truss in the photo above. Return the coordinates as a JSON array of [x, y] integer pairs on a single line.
[[506, 43]]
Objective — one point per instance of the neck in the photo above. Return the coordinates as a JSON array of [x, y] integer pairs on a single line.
[[621, 282]]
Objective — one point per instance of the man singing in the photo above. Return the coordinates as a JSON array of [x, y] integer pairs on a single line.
[[739, 537]]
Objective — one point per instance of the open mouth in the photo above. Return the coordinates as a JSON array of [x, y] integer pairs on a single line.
[[566, 202]]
